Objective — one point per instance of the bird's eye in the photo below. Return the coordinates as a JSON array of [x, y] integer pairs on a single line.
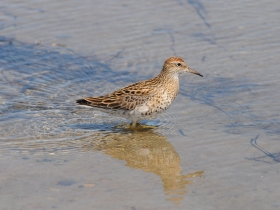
[[179, 64]]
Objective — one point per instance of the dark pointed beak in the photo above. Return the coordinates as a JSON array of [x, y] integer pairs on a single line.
[[193, 71]]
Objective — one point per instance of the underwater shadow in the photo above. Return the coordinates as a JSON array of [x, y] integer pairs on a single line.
[[275, 157], [39, 86]]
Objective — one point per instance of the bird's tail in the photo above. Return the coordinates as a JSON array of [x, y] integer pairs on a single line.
[[91, 101], [83, 102]]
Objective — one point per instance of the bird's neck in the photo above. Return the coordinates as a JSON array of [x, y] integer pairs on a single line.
[[169, 78], [169, 83]]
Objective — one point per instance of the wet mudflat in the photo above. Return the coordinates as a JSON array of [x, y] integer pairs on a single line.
[[218, 145]]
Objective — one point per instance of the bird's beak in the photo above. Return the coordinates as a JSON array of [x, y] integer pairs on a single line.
[[193, 71]]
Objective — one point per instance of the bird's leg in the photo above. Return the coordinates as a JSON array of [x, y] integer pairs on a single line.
[[138, 122], [135, 123]]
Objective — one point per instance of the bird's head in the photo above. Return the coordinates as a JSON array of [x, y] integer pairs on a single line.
[[177, 65]]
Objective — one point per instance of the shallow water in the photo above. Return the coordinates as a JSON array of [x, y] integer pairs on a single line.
[[216, 147]]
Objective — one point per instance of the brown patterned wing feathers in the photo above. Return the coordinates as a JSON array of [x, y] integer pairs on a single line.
[[124, 99]]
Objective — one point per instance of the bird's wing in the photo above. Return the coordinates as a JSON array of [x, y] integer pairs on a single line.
[[126, 98]]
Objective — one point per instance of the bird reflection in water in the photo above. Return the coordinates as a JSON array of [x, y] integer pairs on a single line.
[[150, 152]]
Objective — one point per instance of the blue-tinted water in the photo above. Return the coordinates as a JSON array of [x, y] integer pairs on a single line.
[[217, 147]]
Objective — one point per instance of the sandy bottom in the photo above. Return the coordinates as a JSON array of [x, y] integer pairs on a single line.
[[217, 147]]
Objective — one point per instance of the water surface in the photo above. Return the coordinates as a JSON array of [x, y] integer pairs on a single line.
[[217, 147]]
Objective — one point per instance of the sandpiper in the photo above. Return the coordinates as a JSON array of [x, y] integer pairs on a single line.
[[145, 99]]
